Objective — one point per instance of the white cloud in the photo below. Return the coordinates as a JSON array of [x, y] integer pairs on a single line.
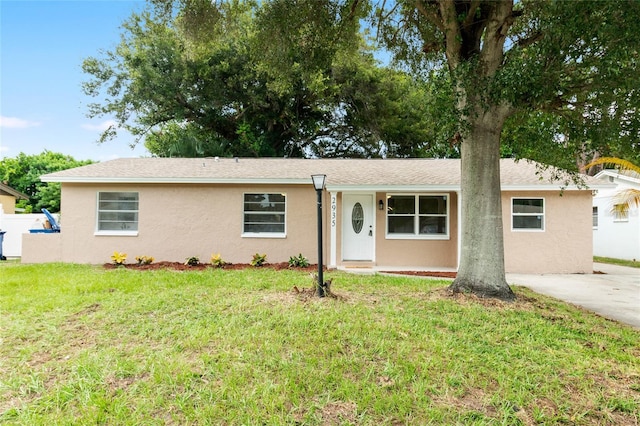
[[16, 123], [100, 126]]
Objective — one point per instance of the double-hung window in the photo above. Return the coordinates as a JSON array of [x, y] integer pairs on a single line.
[[527, 214], [620, 214], [418, 216], [264, 215], [117, 213]]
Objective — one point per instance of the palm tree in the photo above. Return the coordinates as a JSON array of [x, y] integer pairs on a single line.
[[627, 198]]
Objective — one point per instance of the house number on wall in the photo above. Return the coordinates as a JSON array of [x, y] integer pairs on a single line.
[[334, 208]]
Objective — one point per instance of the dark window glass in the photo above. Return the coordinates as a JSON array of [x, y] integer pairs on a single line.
[[264, 213]]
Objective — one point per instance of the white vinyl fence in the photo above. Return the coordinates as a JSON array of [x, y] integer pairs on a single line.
[[15, 225]]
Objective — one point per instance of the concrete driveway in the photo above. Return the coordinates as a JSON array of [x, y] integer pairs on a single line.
[[614, 294]]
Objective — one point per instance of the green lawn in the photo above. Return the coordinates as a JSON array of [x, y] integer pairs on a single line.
[[621, 262], [84, 345]]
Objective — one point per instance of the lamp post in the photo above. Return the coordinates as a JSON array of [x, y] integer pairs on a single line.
[[318, 184]]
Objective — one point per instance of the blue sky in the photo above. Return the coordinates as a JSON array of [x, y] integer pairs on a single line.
[[42, 46]]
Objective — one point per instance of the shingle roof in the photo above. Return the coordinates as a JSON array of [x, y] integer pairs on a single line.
[[341, 173], [6, 189]]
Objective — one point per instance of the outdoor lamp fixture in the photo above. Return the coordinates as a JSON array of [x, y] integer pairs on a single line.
[[318, 184], [380, 205]]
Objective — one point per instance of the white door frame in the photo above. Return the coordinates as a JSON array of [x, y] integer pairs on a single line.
[[346, 223]]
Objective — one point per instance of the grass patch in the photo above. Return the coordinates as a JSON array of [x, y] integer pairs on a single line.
[[82, 345], [621, 262]]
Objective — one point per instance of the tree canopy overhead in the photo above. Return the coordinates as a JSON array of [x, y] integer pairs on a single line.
[[23, 172], [201, 78], [565, 71]]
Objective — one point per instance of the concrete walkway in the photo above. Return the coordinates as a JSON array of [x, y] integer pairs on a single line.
[[614, 294]]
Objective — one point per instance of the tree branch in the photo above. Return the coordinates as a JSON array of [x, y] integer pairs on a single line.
[[500, 19], [528, 41], [180, 99], [430, 15], [452, 34], [352, 11], [382, 17], [471, 14]]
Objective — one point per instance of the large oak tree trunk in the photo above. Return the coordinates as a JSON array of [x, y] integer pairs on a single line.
[[481, 269], [475, 33]]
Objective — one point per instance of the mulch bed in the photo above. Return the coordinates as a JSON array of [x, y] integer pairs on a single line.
[[437, 274], [178, 266]]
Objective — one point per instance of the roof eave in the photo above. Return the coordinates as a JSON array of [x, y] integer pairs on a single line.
[[17, 194], [391, 188], [616, 175], [191, 180], [298, 181], [553, 187]]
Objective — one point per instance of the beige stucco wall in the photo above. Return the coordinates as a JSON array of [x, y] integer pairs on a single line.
[[566, 244], [41, 248], [180, 221], [8, 203], [425, 253]]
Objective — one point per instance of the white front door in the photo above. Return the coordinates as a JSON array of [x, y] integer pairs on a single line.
[[357, 227]]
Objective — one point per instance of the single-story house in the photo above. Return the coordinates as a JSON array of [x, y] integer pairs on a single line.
[[8, 197], [377, 213], [615, 235]]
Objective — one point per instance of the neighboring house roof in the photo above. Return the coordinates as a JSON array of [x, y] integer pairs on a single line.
[[342, 174], [7, 190], [611, 175]]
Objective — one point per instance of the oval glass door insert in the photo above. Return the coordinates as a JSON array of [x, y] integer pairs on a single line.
[[357, 218]]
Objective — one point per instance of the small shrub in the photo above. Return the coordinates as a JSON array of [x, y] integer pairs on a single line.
[[144, 260], [298, 261], [118, 258], [216, 260], [258, 259], [192, 261]]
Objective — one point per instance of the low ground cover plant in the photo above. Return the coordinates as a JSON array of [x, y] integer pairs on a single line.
[[144, 260], [217, 261], [88, 345], [258, 259], [298, 261], [192, 261], [118, 258]]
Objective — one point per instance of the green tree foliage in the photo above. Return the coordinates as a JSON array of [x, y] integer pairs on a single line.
[[23, 172], [551, 80], [200, 78]]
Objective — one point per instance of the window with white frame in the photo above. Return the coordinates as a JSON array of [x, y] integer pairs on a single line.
[[595, 216], [264, 214], [117, 212], [620, 213], [527, 214], [418, 216]]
